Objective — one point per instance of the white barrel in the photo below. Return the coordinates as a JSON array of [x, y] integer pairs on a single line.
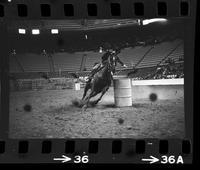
[[123, 92], [77, 86]]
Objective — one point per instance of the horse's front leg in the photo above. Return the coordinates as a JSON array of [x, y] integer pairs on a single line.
[[87, 87], [102, 93], [92, 94]]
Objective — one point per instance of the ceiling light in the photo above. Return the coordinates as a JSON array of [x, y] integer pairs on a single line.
[[21, 31], [54, 31], [35, 31], [148, 21]]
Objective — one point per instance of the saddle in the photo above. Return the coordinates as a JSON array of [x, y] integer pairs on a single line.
[[98, 67]]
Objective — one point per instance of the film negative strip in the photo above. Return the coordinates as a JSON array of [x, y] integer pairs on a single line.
[[90, 81]]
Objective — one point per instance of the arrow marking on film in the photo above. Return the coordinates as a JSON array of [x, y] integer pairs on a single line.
[[151, 160], [63, 159]]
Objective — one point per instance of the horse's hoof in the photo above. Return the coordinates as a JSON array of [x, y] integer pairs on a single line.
[[82, 111], [84, 108], [96, 102]]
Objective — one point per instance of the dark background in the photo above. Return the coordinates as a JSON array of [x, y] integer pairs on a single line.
[[74, 40]]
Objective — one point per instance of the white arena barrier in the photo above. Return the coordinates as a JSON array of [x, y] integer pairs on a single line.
[[163, 88]]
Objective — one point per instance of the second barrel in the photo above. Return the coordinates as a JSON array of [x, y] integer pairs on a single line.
[[122, 92]]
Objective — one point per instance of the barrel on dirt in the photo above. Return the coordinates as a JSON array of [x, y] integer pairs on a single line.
[[122, 92], [77, 86]]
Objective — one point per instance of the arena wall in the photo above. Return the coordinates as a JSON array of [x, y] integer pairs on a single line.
[[160, 89], [141, 89], [38, 84]]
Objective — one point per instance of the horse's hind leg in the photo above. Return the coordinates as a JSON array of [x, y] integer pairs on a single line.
[[92, 94], [85, 92], [102, 93]]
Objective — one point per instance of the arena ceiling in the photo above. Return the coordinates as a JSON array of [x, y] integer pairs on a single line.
[[86, 35], [72, 25]]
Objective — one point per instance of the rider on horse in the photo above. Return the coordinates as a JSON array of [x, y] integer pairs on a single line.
[[112, 55], [115, 59]]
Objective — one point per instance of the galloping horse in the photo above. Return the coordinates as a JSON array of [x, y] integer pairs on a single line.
[[99, 84]]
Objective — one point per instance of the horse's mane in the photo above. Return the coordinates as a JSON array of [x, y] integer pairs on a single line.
[[102, 70]]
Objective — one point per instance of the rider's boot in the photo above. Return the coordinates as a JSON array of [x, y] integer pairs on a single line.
[[89, 79]]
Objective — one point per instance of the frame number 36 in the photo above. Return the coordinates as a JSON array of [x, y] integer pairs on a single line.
[[171, 159], [81, 159]]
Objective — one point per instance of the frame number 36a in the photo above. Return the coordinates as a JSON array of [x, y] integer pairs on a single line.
[[81, 159], [171, 159]]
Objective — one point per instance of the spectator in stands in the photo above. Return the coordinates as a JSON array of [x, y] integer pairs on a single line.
[[180, 58], [164, 72], [133, 71], [170, 61]]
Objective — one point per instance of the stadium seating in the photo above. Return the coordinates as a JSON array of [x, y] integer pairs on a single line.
[[30, 62], [91, 58], [178, 54], [159, 52], [130, 56], [67, 61], [71, 62]]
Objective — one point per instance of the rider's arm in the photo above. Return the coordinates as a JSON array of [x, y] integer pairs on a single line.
[[119, 61]]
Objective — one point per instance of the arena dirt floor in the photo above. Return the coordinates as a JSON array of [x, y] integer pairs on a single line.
[[51, 114]]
